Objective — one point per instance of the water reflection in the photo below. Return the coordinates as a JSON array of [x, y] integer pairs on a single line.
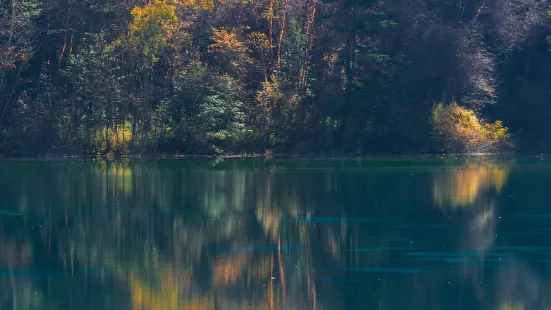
[[514, 282], [269, 235], [460, 186]]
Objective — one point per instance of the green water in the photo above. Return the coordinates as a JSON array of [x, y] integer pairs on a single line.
[[402, 233]]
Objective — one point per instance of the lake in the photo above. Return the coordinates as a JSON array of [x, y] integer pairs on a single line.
[[373, 233]]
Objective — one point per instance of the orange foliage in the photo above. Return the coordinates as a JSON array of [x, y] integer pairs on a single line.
[[230, 50], [226, 41]]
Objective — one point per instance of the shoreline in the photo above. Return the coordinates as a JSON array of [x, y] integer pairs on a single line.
[[267, 156]]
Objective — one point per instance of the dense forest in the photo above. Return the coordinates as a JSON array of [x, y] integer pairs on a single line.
[[114, 77]]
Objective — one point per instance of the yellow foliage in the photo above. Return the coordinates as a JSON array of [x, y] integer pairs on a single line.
[[195, 4], [268, 97], [114, 140], [259, 40], [226, 41], [152, 27], [228, 48], [461, 127], [461, 187]]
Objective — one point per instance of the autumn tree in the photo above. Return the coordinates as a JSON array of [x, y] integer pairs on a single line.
[[462, 130], [232, 76]]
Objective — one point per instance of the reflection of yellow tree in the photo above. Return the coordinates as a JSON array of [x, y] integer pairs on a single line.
[[228, 269], [461, 186], [267, 214], [167, 295], [122, 235], [163, 297], [117, 177], [163, 288], [170, 289], [512, 306]]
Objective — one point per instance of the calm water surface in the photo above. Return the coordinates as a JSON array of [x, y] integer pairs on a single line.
[[404, 233]]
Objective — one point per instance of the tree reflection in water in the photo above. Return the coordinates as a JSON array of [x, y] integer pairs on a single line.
[[476, 186], [276, 234]]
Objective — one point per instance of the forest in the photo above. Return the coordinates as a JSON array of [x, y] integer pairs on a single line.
[[116, 77]]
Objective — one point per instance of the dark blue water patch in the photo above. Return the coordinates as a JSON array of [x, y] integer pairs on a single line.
[[455, 254], [292, 248], [535, 215], [477, 267], [531, 233], [374, 269], [329, 219], [422, 226], [497, 251], [524, 248], [367, 249], [389, 239], [486, 234], [457, 260], [234, 215], [337, 280], [47, 273], [10, 213], [257, 249]]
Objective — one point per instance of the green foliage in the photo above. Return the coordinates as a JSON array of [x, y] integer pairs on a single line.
[[162, 123], [223, 114], [86, 115], [32, 8], [35, 111]]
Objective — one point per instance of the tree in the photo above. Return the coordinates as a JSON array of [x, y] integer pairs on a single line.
[[16, 45], [204, 76], [462, 130]]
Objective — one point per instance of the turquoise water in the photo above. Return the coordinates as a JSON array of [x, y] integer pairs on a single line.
[[379, 233]]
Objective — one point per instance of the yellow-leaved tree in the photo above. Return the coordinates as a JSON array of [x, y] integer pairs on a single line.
[[230, 52], [462, 130], [196, 4], [113, 140], [152, 28]]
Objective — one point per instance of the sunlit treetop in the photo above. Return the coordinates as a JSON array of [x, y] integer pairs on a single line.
[[226, 41], [206, 5], [152, 28], [230, 49], [195, 4]]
